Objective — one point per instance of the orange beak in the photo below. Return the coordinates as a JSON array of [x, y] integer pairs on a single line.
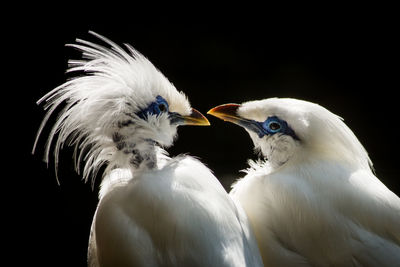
[[226, 112], [195, 118]]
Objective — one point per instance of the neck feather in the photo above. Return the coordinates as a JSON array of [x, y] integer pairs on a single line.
[[140, 152], [144, 154]]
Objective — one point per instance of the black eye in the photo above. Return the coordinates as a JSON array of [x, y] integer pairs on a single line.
[[162, 107], [274, 126]]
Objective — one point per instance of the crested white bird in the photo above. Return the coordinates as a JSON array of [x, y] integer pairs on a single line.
[[153, 210], [314, 200]]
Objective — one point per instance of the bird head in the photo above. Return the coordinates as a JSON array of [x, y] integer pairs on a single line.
[[118, 105], [286, 129]]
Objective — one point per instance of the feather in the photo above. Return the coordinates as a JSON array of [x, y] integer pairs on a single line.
[[313, 201], [189, 221], [98, 100], [153, 210]]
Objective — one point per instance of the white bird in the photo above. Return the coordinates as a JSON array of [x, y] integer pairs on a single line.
[[153, 210], [314, 200]]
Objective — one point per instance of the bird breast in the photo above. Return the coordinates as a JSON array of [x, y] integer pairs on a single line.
[[171, 212]]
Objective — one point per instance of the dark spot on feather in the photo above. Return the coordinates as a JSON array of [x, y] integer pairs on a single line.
[[127, 151], [130, 115], [136, 159], [121, 145], [151, 164], [124, 123], [117, 137]]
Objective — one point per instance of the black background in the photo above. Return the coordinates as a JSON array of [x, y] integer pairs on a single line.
[[343, 58]]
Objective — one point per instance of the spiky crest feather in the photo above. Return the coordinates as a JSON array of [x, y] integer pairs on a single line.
[[115, 85]]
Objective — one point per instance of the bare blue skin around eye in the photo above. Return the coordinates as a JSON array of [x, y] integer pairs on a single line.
[[263, 128], [154, 108]]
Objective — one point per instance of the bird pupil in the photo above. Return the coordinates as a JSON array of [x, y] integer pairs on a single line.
[[274, 126], [162, 107]]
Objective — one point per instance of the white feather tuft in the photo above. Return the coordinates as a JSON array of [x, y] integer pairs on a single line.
[[115, 85]]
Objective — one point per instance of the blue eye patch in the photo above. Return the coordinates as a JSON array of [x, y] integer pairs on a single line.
[[157, 107], [270, 126]]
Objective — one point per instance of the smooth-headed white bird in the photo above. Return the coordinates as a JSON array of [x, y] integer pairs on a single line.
[[153, 210], [314, 200]]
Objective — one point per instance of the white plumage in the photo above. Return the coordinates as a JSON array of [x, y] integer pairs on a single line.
[[153, 210], [314, 201]]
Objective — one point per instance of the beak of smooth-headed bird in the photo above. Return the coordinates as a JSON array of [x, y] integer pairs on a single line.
[[195, 118], [226, 112]]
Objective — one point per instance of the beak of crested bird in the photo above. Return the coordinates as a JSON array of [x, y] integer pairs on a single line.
[[195, 118]]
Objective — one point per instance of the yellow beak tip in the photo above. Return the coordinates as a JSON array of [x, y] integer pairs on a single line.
[[210, 112]]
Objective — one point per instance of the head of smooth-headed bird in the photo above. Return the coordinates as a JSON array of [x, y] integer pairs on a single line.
[[286, 130]]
